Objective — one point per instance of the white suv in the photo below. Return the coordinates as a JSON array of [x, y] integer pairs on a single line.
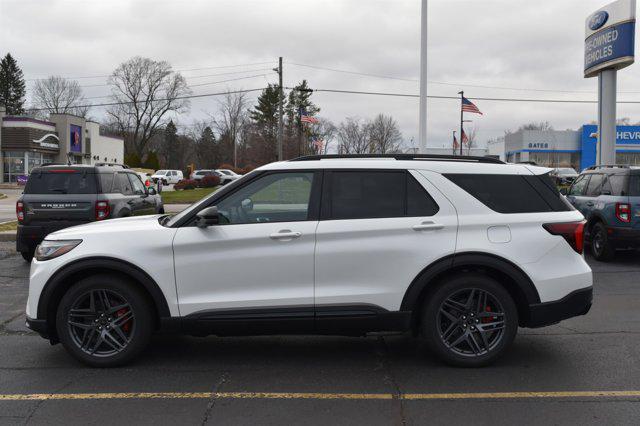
[[461, 251]]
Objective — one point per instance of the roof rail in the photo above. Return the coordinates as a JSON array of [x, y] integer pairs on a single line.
[[124, 166], [434, 157], [609, 166]]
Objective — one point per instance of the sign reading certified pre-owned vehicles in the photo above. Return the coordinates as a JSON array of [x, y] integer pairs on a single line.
[[609, 37]]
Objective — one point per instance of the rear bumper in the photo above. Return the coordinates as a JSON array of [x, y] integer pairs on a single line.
[[624, 237], [574, 304], [29, 236]]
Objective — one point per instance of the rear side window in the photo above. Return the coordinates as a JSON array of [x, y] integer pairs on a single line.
[[512, 193], [619, 185], [634, 185], [377, 194], [66, 181], [106, 182], [122, 185]]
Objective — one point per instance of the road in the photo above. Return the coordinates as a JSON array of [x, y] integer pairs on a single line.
[[583, 371]]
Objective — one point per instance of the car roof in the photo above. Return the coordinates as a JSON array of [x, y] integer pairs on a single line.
[[436, 165]]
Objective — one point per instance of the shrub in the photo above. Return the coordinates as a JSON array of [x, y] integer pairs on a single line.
[[209, 181], [185, 184]]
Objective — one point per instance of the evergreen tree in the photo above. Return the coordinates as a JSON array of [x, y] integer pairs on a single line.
[[170, 146], [299, 100], [12, 87], [266, 112], [208, 153]]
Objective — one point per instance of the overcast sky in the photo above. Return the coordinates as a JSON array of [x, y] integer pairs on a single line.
[[511, 44]]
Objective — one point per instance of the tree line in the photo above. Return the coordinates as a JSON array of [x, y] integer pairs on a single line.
[[148, 99]]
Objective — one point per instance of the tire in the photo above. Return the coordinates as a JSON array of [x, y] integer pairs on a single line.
[[28, 255], [164, 182], [457, 338], [601, 247], [104, 340]]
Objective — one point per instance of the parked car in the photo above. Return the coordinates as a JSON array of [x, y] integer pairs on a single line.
[[563, 175], [145, 178], [609, 198], [60, 196], [227, 176], [167, 176], [199, 174], [460, 251]]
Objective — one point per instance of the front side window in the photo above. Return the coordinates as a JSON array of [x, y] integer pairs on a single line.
[[593, 189], [136, 183], [276, 197], [578, 187]]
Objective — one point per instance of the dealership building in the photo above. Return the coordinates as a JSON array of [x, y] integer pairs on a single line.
[[26, 143], [566, 148]]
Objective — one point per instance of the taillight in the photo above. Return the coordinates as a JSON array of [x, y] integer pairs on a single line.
[[102, 210], [623, 212], [147, 183], [20, 211], [570, 231]]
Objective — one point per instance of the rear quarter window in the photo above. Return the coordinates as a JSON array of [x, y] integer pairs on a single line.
[[63, 182], [634, 186], [512, 193]]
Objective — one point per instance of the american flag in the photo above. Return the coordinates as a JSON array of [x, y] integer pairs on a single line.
[[318, 144], [464, 138], [304, 118], [455, 142], [469, 106]]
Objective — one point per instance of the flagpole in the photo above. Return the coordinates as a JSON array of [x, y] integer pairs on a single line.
[[461, 93], [422, 113], [453, 142]]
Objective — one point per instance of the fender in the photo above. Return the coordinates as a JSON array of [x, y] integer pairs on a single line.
[[57, 282], [471, 259], [594, 217]]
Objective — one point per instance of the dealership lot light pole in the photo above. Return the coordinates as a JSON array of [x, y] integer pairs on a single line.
[[422, 119]]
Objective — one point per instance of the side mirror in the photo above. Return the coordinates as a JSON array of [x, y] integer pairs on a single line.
[[563, 191], [151, 191], [207, 217]]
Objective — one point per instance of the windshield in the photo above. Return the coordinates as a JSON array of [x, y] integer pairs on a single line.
[[567, 171], [161, 172], [199, 204], [226, 172]]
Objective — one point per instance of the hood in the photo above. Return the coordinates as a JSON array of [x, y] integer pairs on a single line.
[[122, 225]]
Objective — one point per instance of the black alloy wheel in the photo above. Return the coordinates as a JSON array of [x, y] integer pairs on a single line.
[[104, 320]]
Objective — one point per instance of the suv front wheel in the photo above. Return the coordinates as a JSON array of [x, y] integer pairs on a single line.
[[104, 321], [469, 320]]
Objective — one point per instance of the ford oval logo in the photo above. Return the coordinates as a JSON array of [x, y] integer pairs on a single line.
[[598, 19]]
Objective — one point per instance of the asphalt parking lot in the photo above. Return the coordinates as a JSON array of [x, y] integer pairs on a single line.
[[583, 371]]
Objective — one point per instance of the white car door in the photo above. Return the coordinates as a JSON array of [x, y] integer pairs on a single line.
[[379, 230], [259, 259]]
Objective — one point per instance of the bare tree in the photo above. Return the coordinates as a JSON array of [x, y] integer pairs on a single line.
[[471, 140], [325, 131], [543, 125], [230, 119], [58, 95], [384, 135], [146, 91], [353, 137]]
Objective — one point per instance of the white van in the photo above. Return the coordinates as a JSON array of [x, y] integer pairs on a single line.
[[167, 176]]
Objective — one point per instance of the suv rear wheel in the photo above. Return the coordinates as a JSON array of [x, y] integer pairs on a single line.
[[104, 321], [601, 247], [469, 320]]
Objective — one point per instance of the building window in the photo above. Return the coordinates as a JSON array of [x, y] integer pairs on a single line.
[[14, 165]]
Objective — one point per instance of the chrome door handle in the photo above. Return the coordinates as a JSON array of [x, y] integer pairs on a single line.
[[285, 234], [428, 226]]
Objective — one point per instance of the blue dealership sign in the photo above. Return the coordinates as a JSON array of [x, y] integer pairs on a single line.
[[627, 139], [612, 47]]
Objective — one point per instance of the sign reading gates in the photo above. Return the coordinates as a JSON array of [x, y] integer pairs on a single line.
[[75, 138], [610, 37]]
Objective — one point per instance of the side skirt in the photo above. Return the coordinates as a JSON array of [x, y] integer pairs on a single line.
[[340, 320]]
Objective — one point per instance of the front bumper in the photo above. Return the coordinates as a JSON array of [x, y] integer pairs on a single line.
[[40, 326], [574, 304]]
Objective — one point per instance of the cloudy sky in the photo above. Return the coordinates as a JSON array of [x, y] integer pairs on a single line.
[[491, 48]]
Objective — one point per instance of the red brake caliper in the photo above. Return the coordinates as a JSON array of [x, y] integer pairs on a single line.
[[127, 325], [487, 319]]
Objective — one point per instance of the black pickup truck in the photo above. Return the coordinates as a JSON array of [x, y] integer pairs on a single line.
[[60, 196]]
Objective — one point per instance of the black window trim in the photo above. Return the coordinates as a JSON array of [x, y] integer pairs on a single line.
[[587, 177], [326, 207], [313, 212]]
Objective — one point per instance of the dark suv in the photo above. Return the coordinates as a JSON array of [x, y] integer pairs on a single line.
[[609, 198], [60, 196]]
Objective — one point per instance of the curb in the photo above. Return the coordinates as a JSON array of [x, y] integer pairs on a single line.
[[7, 236]]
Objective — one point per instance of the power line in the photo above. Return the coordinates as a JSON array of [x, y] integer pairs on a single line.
[[481, 86], [157, 100], [409, 95]]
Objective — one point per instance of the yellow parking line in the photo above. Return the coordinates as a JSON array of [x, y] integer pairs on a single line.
[[318, 396]]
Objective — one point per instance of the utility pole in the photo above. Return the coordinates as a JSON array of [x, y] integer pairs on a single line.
[[280, 109], [422, 119]]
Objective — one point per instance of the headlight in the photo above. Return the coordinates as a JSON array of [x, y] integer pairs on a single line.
[[47, 250]]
